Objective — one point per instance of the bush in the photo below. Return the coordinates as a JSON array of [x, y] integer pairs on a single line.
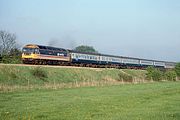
[[38, 72], [177, 69], [154, 74], [171, 75], [11, 59]]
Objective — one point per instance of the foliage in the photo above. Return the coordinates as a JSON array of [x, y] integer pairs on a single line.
[[154, 74], [14, 57], [171, 75], [9, 51], [177, 69], [157, 75], [7, 42], [40, 73], [85, 48]]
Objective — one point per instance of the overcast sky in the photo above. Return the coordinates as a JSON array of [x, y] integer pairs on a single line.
[[138, 28]]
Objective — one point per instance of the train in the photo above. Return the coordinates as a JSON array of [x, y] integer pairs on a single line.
[[48, 55]]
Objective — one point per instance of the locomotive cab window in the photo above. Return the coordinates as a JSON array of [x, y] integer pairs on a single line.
[[30, 50]]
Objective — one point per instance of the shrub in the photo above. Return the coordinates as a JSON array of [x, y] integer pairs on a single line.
[[11, 59], [38, 72], [171, 75], [177, 69], [154, 74]]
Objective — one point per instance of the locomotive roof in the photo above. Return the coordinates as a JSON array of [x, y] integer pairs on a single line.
[[51, 48], [45, 47]]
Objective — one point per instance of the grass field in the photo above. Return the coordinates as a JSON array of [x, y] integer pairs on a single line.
[[147, 101]]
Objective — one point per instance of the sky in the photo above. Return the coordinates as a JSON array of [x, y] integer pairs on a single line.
[[136, 28]]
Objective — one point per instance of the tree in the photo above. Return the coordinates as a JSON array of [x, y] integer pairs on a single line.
[[7, 42], [85, 48], [177, 69], [9, 52]]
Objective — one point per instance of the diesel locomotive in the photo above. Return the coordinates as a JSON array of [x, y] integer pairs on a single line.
[[38, 54]]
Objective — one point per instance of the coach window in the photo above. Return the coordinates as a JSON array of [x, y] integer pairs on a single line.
[[42, 51], [74, 55], [91, 57], [106, 58], [95, 57]]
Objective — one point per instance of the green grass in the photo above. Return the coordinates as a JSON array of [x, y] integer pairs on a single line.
[[150, 101], [23, 75]]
